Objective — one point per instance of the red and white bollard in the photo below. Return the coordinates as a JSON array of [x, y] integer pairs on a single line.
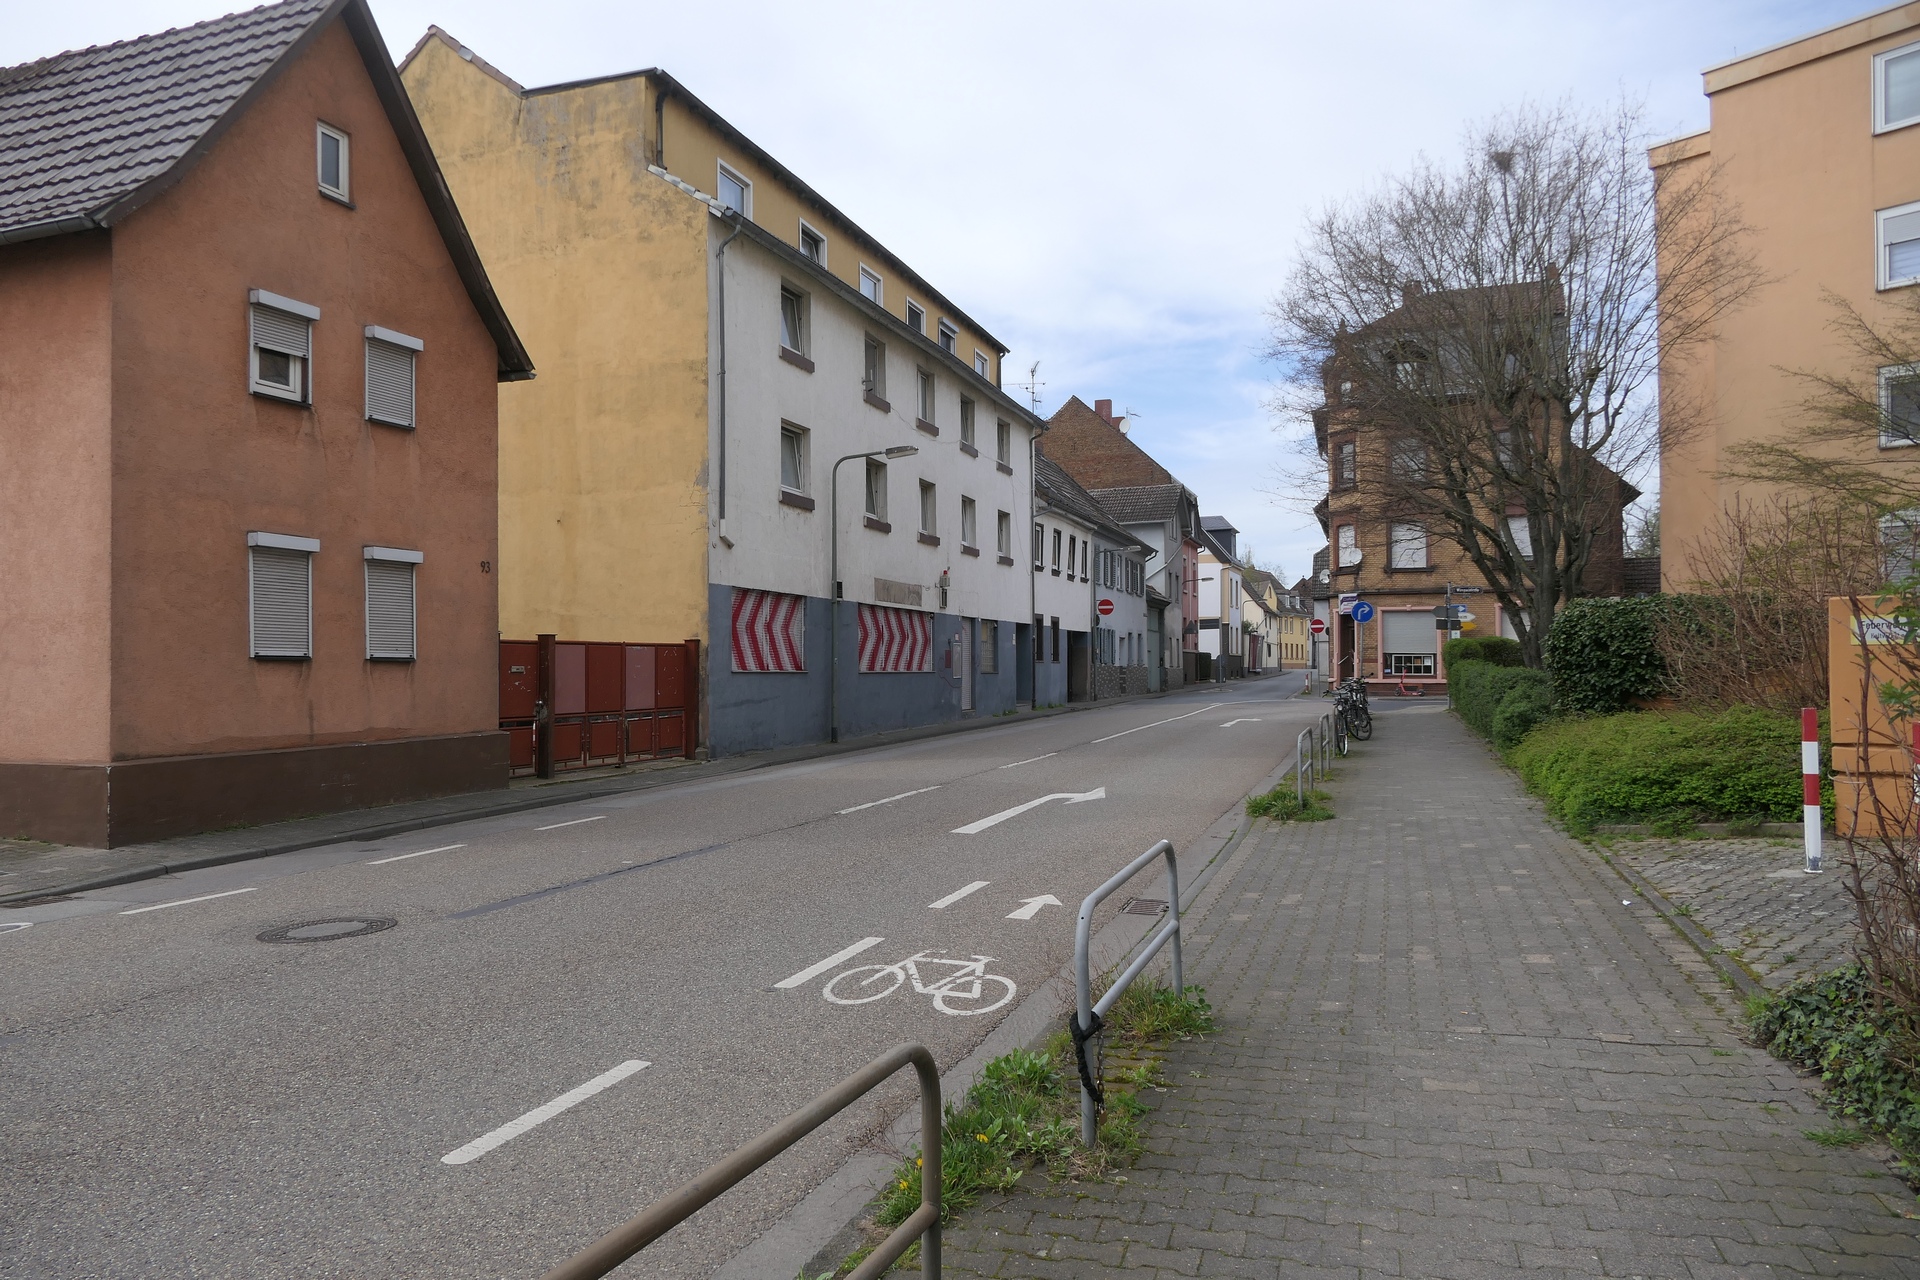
[[1810, 782]]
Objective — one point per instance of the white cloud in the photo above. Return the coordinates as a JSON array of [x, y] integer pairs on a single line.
[[1113, 189]]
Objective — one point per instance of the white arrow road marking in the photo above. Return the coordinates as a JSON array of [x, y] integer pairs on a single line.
[[833, 961], [1017, 763], [954, 897], [871, 804], [181, 902], [1032, 907], [573, 823], [975, 828], [540, 1115], [1242, 720], [402, 857], [1155, 725], [15, 926]]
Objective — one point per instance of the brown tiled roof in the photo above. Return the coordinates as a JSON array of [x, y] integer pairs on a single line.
[[1057, 489], [81, 132], [1096, 453], [1139, 503]]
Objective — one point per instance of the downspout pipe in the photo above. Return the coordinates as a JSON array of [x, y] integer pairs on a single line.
[[721, 272]]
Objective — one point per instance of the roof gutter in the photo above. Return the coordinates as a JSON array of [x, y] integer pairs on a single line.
[[42, 230]]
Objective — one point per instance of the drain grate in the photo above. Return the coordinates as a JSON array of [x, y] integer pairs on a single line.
[[1143, 906], [329, 930]]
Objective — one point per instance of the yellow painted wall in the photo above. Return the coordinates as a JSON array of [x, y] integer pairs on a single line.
[[603, 266], [694, 152], [1793, 147]]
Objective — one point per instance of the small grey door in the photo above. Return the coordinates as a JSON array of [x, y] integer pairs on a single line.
[[966, 664]]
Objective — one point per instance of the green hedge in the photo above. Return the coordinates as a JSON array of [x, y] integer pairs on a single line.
[[1500, 703], [1604, 654], [1498, 650], [1670, 768]]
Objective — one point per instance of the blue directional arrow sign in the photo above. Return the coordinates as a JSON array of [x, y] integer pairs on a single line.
[[1362, 612]]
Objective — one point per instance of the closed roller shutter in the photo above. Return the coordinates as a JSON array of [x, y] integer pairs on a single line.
[[389, 383], [281, 602], [895, 640], [1409, 632], [389, 610], [769, 631]]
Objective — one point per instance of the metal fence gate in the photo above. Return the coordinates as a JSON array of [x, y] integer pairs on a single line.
[[580, 704]]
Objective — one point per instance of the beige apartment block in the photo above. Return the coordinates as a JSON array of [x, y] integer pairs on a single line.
[[1817, 141]]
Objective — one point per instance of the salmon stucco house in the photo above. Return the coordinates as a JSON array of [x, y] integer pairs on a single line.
[[248, 366]]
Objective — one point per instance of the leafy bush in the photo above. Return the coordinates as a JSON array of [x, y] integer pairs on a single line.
[[1666, 767], [1862, 1048], [1604, 654], [1500, 703], [1498, 650]]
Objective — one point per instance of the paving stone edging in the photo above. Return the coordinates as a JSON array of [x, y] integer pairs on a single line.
[[1732, 970]]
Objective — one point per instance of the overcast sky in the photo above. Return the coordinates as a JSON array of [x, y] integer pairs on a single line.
[[1114, 189]]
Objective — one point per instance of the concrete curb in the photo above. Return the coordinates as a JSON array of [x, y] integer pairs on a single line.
[[557, 794], [816, 1234], [1702, 941], [1716, 830]]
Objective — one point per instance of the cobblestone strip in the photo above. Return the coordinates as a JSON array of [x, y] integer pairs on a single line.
[[1755, 899], [1447, 1049]]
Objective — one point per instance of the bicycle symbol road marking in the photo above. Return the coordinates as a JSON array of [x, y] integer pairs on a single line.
[[969, 989]]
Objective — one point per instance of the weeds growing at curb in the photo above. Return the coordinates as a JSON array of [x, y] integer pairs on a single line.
[[1282, 805], [1024, 1111]]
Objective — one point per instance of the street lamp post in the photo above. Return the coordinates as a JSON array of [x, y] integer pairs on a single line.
[[833, 585]]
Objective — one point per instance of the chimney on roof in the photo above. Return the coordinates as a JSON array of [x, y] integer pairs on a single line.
[[1105, 409]]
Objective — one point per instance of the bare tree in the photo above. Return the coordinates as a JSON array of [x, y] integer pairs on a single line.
[[1490, 329]]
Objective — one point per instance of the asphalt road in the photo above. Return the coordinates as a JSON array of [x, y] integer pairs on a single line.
[[179, 1098]]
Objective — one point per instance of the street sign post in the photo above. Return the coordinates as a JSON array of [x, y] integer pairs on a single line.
[[1106, 607], [1362, 612]]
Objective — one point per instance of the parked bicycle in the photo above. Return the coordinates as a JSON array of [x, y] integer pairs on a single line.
[[960, 993], [1350, 708]]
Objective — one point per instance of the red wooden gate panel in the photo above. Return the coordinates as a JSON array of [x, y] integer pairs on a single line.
[[612, 702]]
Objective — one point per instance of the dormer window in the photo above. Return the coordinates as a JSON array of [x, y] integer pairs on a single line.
[[336, 177]]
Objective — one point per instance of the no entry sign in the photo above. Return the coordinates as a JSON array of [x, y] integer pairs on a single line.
[[1318, 626], [1106, 607]]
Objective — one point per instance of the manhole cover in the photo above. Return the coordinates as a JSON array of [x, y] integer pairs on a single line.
[[328, 930], [1144, 906]]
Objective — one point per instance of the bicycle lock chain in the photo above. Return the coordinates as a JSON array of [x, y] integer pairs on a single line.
[[1080, 1039]]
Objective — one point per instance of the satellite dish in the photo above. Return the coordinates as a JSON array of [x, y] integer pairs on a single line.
[[1326, 575]]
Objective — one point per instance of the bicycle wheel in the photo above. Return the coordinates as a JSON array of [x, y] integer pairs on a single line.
[[878, 971], [979, 986], [1362, 724], [1340, 733]]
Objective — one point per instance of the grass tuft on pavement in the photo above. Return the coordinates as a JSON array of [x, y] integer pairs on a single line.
[[1282, 805]]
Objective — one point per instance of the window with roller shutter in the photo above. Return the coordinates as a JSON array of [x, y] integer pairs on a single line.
[[390, 370], [390, 603], [280, 346], [280, 595]]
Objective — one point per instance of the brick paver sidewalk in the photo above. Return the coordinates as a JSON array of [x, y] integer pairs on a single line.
[[1447, 1048]]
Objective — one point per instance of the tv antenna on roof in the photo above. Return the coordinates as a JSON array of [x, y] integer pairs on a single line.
[[1032, 387]]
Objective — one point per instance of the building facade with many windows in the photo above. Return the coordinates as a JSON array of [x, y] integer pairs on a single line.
[[248, 509], [758, 428]]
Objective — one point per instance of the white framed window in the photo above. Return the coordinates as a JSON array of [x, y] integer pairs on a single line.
[[1896, 88], [1897, 235], [812, 243], [1899, 405], [390, 603], [793, 458], [1057, 535], [1347, 547], [1520, 529], [916, 317], [793, 320], [280, 595], [929, 509], [1073, 552], [1346, 471], [969, 523], [872, 288], [734, 190], [1039, 545], [925, 386], [948, 335], [873, 369], [877, 490], [1003, 534], [966, 422], [1408, 547], [980, 364], [1003, 442], [390, 376], [1900, 545], [335, 161], [280, 346]]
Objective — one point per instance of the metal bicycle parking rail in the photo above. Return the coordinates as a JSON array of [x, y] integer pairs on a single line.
[[621, 1243], [1087, 1019]]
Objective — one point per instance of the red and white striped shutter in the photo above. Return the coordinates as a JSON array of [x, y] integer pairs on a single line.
[[895, 640], [769, 631]]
